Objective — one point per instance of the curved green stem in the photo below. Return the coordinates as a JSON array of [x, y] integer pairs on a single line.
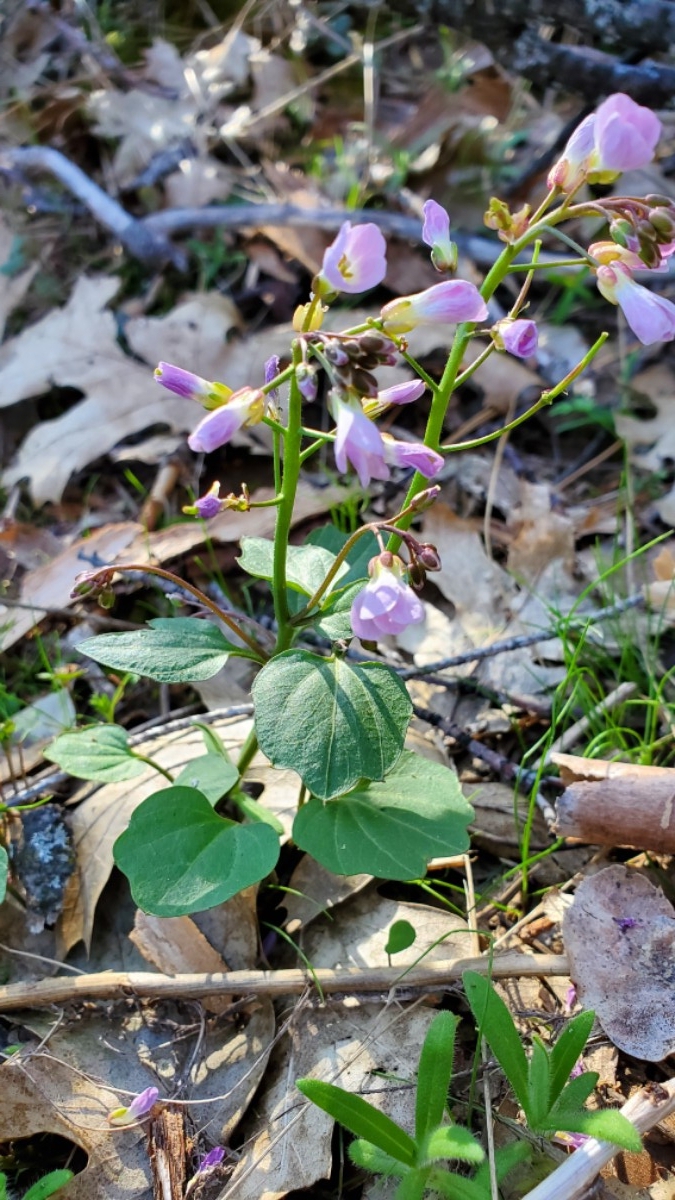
[[289, 487], [150, 762]]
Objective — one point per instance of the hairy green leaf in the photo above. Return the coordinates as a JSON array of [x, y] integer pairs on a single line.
[[453, 1141], [333, 722], [607, 1125], [433, 1073], [180, 857], [99, 752], [360, 1118], [306, 566], [49, 1184], [169, 649], [391, 829], [494, 1020], [567, 1050]]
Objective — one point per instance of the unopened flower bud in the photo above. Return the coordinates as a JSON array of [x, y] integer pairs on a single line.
[[622, 232], [416, 575], [659, 201], [140, 1107], [428, 556], [364, 383], [208, 505], [335, 353], [663, 221], [302, 314], [306, 378], [425, 499]]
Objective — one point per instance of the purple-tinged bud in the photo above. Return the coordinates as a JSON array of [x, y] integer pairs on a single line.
[[208, 505], [193, 387], [307, 381], [623, 233], [211, 1160], [663, 222], [402, 393], [452, 302], [245, 407], [377, 343], [436, 233], [335, 353], [413, 455], [519, 337], [364, 382], [425, 499], [272, 367], [428, 556], [140, 1106]]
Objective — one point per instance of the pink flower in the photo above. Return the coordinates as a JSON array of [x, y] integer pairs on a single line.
[[387, 603], [193, 387], [651, 317], [453, 301], [208, 505], [211, 1160], [620, 136], [518, 337], [140, 1106], [355, 261], [245, 407], [436, 233], [402, 393], [626, 135], [412, 454], [357, 441]]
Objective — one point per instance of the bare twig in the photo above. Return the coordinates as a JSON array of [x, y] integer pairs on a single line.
[[578, 625], [110, 985]]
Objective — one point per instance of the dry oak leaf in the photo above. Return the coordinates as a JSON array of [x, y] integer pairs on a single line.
[[620, 935], [76, 346], [45, 1096]]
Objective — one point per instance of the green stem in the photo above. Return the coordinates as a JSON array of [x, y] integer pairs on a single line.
[[225, 617], [151, 763], [289, 487], [247, 752]]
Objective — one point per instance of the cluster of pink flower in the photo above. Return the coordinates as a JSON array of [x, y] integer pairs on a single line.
[[622, 136]]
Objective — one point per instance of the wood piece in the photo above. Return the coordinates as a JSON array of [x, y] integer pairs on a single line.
[[110, 985], [573, 769], [572, 1178], [167, 1151], [632, 811]]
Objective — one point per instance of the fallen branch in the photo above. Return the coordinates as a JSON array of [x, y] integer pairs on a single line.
[[573, 1177], [616, 804], [112, 985]]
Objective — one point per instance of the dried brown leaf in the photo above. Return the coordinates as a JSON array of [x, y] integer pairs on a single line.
[[620, 937]]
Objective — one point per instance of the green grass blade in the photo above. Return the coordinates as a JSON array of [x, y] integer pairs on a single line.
[[433, 1074], [361, 1119]]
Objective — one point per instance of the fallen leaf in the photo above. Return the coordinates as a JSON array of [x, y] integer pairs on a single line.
[[174, 945], [198, 181], [313, 890], [43, 1095], [620, 937]]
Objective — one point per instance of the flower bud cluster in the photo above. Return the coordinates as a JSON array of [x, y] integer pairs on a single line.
[[352, 360], [647, 228]]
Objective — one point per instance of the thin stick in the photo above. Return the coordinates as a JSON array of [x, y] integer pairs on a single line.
[[111, 985], [573, 1177], [575, 732]]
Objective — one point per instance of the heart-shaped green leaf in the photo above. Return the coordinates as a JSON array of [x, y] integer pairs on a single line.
[[169, 649], [331, 721], [359, 556], [180, 857], [210, 774], [99, 752], [390, 829]]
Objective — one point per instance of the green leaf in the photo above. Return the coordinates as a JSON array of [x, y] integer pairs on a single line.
[[506, 1158], [333, 722], [169, 649], [577, 1091], [433, 1073], [212, 740], [99, 752], [306, 566], [401, 935], [4, 872], [390, 829], [567, 1050], [453, 1141], [180, 857], [371, 1158], [539, 1085], [360, 1118], [413, 1185], [3, 1186], [457, 1187], [48, 1185], [495, 1022], [607, 1125], [359, 556], [335, 621], [210, 774]]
